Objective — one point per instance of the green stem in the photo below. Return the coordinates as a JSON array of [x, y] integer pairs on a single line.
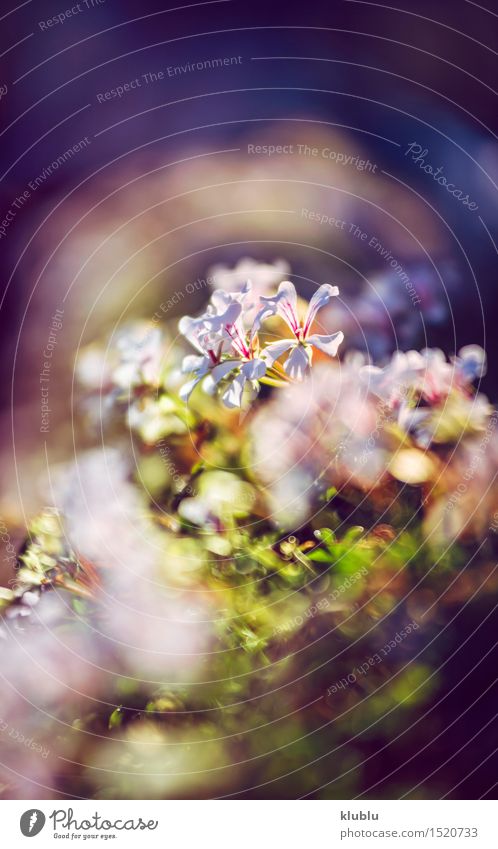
[[271, 381]]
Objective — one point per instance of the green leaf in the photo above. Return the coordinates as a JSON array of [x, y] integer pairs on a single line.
[[116, 718]]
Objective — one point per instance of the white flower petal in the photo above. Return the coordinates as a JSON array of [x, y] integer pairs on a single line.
[[192, 329], [328, 344], [284, 303], [218, 373], [216, 323], [287, 291], [287, 304], [221, 300], [369, 371], [254, 369], [194, 363], [185, 324], [126, 375], [232, 397], [321, 297], [433, 355], [242, 293], [275, 350], [194, 510], [187, 389], [298, 362], [265, 311]]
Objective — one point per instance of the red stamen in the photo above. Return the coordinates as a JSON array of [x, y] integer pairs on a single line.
[[291, 317], [237, 340]]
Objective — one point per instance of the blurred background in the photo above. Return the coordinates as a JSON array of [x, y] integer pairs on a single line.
[[144, 146], [164, 186]]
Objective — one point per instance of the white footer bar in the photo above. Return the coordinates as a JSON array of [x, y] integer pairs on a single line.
[[246, 824]]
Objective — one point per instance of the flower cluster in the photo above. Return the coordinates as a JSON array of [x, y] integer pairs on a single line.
[[231, 354], [133, 373], [133, 358], [431, 398], [358, 427]]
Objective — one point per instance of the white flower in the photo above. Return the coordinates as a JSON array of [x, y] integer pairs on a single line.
[[93, 371], [427, 374], [431, 396], [199, 366], [206, 335], [245, 377], [226, 338], [392, 383], [300, 345], [140, 348], [264, 276], [220, 330]]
